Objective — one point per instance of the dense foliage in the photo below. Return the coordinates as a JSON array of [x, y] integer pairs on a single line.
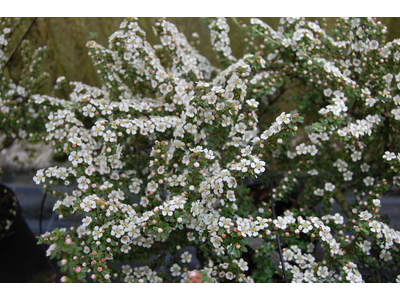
[[158, 155]]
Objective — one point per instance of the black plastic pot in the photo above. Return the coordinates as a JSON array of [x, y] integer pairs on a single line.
[[21, 258]]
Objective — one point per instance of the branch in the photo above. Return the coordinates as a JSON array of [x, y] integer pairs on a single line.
[[341, 199], [19, 42]]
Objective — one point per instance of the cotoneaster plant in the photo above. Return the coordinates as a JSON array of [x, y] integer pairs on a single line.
[[21, 118], [158, 155]]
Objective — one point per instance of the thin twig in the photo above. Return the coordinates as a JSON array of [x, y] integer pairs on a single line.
[[277, 238]]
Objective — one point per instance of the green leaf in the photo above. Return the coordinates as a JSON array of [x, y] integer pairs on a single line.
[[230, 249], [53, 254], [77, 251], [237, 252], [80, 276]]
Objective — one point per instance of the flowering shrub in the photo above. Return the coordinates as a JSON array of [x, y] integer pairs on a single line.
[[20, 117], [158, 155]]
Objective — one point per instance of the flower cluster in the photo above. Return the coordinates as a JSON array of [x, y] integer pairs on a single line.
[[21, 119], [159, 154]]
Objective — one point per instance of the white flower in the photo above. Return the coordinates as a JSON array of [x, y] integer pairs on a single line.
[[186, 257], [288, 255], [373, 45], [313, 172], [376, 202], [312, 149], [327, 92], [117, 231], [365, 215], [368, 181], [366, 91], [306, 227], [365, 246], [329, 187], [242, 265], [319, 192], [81, 230], [247, 151], [51, 249], [160, 170], [125, 239], [385, 52], [152, 186], [338, 219], [125, 249], [86, 221], [88, 204], [286, 42], [364, 167], [283, 118], [280, 223], [301, 149], [323, 272], [375, 226], [83, 182], [356, 155], [39, 176], [348, 175], [175, 270], [385, 255], [229, 275], [389, 155], [252, 102], [258, 165], [97, 233], [370, 101], [167, 210]]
